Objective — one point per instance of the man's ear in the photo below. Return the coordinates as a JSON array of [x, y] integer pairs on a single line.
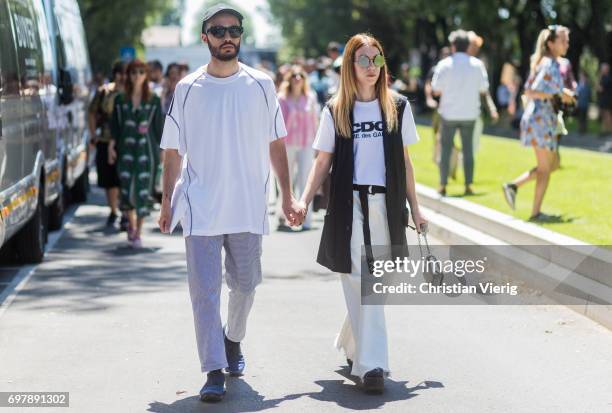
[[204, 38]]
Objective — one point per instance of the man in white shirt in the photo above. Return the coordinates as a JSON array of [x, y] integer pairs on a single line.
[[459, 80], [221, 133]]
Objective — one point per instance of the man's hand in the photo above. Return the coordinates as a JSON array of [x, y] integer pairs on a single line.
[[494, 116], [172, 165], [165, 217]]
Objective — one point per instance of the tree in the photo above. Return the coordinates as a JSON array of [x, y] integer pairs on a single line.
[[111, 24], [509, 27]]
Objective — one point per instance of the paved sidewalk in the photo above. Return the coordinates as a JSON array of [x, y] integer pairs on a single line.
[[115, 329]]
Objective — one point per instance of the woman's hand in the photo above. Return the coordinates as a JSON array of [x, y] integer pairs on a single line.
[[568, 96], [112, 154], [420, 222]]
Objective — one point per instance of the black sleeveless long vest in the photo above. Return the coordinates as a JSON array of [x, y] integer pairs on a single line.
[[335, 247]]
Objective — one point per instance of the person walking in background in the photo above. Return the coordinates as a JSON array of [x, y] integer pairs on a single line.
[[487, 102], [460, 80], [320, 80], [100, 115], [433, 102], [136, 128], [183, 70], [222, 132], [544, 91], [604, 94], [301, 113], [583, 94], [172, 77], [363, 137], [156, 77]]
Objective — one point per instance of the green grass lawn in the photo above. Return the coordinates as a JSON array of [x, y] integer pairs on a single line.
[[580, 192]]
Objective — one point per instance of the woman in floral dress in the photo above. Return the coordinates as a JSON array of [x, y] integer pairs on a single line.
[[136, 129], [540, 120]]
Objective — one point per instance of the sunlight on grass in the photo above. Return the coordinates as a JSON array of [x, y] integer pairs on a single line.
[[581, 191]]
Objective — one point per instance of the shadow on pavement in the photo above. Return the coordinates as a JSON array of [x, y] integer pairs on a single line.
[[241, 397], [350, 396], [91, 265]]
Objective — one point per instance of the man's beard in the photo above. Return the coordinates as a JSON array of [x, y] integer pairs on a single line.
[[224, 56]]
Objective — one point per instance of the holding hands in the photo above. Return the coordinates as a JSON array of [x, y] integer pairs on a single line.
[[295, 211]]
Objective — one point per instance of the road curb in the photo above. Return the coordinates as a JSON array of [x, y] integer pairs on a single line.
[[461, 222]]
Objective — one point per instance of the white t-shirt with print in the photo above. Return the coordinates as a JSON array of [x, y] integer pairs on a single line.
[[223, 127], [368, 148]]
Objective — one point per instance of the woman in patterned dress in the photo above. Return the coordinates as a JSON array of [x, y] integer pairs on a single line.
[[136, 129], [540, 120]]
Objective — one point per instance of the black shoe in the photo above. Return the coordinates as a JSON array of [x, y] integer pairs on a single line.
[[112, 218], [123, 224], [468, 191], [214, 388], [374, 381], [350, 363], [442, 192], [510, 191], [235, 359], [542, 217]]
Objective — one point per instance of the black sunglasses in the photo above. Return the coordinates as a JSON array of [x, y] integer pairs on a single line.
[[138, 72], [297, 76], [219, 31]]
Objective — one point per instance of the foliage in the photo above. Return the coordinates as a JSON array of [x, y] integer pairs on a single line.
[[112, 24], [509, 27]]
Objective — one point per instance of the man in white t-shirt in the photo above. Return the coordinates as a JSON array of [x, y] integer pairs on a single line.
[[459, 80], [221, 133]]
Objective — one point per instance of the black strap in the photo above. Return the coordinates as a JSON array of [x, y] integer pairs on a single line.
[[367, 240]]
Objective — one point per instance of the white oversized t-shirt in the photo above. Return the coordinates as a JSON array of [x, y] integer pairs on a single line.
[[368, 148], [223, 128]]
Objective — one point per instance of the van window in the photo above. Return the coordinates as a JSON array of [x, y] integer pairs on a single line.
[[9, 73], [29, 57], [45, 40], [76, 57]]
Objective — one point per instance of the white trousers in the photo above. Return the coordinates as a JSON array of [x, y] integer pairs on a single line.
[[363, 336], [300, 161]]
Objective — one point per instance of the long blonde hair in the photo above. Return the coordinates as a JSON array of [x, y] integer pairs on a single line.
[[284, 89], [541, 49], [343, 102]]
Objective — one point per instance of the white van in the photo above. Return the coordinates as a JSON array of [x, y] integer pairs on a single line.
[[44, 77]]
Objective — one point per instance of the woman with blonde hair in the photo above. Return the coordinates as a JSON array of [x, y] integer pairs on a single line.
[[363, 137], [545, 93], [301, 113]]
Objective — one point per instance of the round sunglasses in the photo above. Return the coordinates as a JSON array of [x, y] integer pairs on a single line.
[[364, 61], [219, 31]]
